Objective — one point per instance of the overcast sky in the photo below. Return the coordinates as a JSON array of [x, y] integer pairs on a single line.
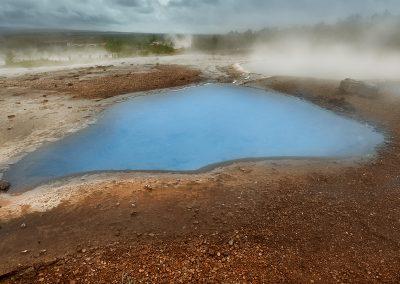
[[176, 16]]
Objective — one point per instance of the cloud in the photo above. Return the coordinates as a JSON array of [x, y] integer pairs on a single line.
[[181, 15]]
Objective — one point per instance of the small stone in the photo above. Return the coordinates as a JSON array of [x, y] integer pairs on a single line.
[[11, 116], [30, 271], [25, 251], [4, 185], [70, 84], [133, 213], [148, 187], [23, 226], [231, 242]]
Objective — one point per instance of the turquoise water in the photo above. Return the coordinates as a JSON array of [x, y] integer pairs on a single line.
[[189, 129]]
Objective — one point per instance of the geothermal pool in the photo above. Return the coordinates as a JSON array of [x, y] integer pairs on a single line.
[[192, 128]]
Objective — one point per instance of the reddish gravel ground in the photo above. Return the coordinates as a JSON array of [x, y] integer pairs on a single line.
[[107, 81]]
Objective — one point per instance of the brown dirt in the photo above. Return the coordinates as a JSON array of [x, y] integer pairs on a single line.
[[277, 221], [107, 81]]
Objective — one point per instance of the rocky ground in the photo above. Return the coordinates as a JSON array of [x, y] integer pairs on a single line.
[[318, 221], [106, 81]]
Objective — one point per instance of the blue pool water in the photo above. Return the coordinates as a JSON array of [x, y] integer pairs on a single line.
[[195, 127]]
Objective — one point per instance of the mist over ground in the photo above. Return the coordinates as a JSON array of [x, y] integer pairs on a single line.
[[360, 47]]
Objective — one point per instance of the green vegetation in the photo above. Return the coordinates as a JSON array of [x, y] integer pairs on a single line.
[[131, 45], [114, 46], [39, 44], [9, 58], [158, 49]]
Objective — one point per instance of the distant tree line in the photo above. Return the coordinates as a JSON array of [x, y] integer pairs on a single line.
[[139, 44], [380, 30]]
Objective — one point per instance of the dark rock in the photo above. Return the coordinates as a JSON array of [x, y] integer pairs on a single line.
[[354, 87], [4, 185]]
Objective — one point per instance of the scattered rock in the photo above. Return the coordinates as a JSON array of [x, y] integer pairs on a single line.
[[354, 87], [30, 271], [11, 116], [148, 187], [70, 84], [23, 226], [4, 185]]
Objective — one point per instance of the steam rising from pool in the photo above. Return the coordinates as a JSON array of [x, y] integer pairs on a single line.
[[189, 129], [299, 57]]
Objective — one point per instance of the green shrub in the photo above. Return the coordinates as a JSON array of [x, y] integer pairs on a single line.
[[9, 60], [114, 46]]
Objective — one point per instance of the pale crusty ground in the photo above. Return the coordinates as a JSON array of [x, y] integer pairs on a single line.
[[31, 117]]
